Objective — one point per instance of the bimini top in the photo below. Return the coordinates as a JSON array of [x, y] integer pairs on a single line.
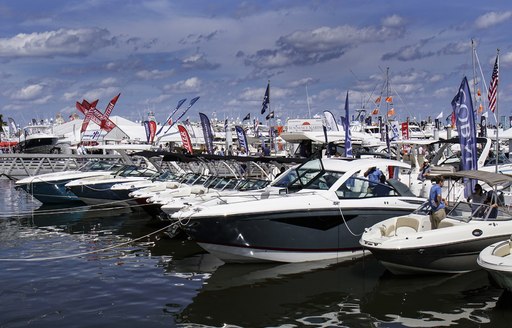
[[491, 178]]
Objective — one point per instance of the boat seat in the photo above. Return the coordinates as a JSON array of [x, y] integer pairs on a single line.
[[386, 231], [503, 250], [407, 222], [198, 190], [445, 224]]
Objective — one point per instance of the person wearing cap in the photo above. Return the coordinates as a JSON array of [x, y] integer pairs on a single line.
[[424, 170], [437, 202]]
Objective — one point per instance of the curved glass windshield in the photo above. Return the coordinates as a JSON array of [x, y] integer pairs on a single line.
[[359, 187], [301, 177], [285, 179]]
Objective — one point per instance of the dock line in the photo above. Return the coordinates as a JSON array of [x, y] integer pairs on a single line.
[[35, 259]]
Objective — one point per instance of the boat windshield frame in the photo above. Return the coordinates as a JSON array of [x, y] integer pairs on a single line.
[[302, 176], [100, 166], [468, 211]]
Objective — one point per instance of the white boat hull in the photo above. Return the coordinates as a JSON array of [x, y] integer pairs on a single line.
[[496, 260]]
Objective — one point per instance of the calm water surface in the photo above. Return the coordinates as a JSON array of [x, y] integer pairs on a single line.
[[52, 275]]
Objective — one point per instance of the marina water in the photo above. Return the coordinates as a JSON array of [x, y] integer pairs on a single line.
[[82, 267]]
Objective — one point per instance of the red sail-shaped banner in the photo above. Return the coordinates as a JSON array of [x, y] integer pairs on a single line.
[[185, 138], [108, 111], [92, 113], [88, 114]]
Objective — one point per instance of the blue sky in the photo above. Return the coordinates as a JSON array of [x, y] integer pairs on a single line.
[[54, 53]]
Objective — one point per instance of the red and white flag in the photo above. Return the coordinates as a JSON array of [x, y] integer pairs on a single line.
[[185, 138], [493, 87]]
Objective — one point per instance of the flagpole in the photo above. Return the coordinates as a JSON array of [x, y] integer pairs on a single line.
[[473, 52], [387, 111], [307, 101], [497, 114]]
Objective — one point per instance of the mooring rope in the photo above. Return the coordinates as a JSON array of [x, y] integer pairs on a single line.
[[346, 224], [67, 210], [35, 259]]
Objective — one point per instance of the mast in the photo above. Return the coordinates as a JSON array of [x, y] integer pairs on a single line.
[[473, 55], [387, 94], [307, 100]]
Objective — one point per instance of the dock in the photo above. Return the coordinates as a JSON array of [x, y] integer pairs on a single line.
[[18, 165]]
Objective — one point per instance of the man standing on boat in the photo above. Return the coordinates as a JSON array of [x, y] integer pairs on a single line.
[[437, 202], [373, 174]]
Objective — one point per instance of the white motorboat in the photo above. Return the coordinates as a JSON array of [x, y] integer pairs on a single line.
[[446, 160], [49, 188], [37, 138], [407, 244], [225, 188], [319, 214], [97, 190], [497, 260], [164, 191], [123, 190]]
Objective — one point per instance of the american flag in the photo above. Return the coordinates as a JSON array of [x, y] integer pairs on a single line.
[[493, 87]]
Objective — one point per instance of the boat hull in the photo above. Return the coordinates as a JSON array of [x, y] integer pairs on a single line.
[[43, 145], [495, 259], [286, 236], [99, 194], [455, 257], [51, 192]]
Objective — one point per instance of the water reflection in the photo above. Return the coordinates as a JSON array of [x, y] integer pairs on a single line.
[[432, 301], [258, 295], [157, 281]]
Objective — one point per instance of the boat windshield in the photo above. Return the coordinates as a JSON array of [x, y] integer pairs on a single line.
[[360, 187], [424, 209], [285, 179], [135, 171], [465, 211], [300, 177], [253, 184], [165, 176], [100, 166], [502, 159]]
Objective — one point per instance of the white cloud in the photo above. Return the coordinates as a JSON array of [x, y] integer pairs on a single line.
[[257, 94], [393, 21], [103, 94], [198, 60], [67, 96], [492, 18], [302, 82], [445, 92], [505, 59], [62, 42], [30, 92], [323, 43], [43, 100], [154, 74], [108, 81], [189, 85]]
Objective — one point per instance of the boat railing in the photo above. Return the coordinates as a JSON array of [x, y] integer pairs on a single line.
[[19, 165]]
